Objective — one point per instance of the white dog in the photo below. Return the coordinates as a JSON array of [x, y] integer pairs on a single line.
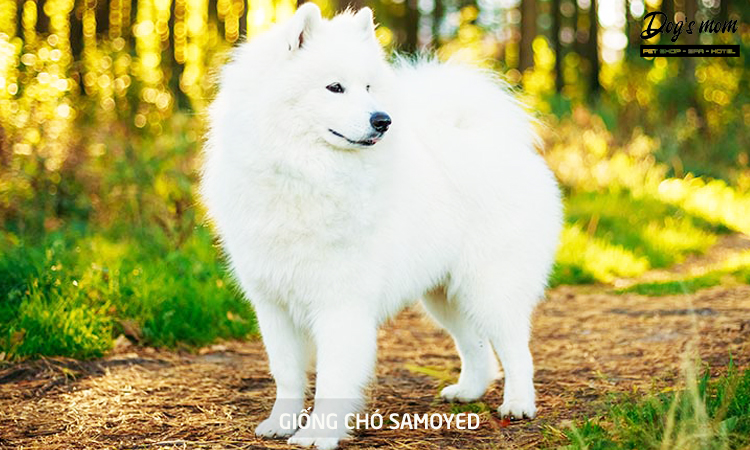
[[344, 189]]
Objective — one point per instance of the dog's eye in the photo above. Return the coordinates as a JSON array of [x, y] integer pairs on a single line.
[[335, 88], [368, 88]]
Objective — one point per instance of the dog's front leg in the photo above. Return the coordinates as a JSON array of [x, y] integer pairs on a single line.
[[346, 342], [288, 355]]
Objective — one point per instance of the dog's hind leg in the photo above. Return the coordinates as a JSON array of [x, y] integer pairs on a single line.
[[288, 356], [478, 364], [502, 309]]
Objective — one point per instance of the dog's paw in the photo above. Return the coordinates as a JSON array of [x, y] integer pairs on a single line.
[[271, 427], [321, 443], [458, 393], [517, 409]]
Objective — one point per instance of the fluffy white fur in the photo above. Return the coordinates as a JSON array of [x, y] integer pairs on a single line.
[[329, 238]]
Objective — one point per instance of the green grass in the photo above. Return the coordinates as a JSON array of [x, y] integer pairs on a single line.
[[71, 294], [707, 414], [733, 270], [661, 233], [612, 234], [473, 407], [674, 287]]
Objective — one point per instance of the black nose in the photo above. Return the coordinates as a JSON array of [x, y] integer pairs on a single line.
[[380, 121]]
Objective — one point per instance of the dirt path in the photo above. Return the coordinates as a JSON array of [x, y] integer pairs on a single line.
[[587, 343]]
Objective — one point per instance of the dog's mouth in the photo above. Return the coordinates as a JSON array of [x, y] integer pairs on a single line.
[[370, 141]]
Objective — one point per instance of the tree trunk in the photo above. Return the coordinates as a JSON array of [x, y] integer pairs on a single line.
[[691, 9], [557, 46], [42, 19], [633, 31], [243, 22], [667, 7], [411, 26], [528, 33], [576, 18], [724, 10], [102, 16], [437, 18], [76, 33], [593, 48]]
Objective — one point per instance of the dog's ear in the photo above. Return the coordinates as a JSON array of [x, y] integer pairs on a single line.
[[364, 19], [304, 21]]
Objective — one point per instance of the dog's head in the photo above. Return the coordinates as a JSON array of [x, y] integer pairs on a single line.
[[340, 77]]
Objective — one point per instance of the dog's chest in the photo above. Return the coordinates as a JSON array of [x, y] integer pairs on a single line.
[[295, 212], [286, 231], [295, 239]]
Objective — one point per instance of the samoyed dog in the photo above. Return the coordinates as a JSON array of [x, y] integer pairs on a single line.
[[344, 188]]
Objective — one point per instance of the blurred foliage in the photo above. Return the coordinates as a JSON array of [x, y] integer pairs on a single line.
[[625, 215], [101, 116]]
